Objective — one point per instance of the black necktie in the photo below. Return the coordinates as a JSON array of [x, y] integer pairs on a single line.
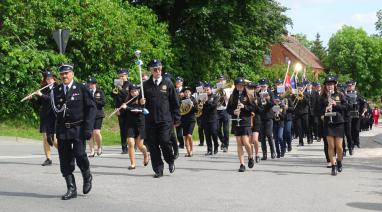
[[66, 89], [156, 82]]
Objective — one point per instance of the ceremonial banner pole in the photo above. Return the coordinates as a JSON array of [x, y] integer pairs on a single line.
[[139, 63]]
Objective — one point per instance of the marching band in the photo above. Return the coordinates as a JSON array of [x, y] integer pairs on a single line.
[[148, 114]]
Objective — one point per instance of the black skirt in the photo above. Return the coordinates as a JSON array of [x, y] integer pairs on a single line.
[[335, 130], [134, 132], [256, 125], [98, 123], [188, 128], [242, 131], [47, 125]]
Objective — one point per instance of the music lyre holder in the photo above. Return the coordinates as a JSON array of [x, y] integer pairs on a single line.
[[238, 119]]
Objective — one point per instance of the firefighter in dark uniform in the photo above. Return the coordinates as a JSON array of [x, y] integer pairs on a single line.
[[100, 100], [75, 112], [316, 111], [120, 94], [179, 130], [209, 120], [266, 129], [357, 103], [163, 105], [301, 110], [223, 117], [310, 94]]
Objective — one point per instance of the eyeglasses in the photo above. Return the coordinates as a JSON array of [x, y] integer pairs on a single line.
[[155, 69]]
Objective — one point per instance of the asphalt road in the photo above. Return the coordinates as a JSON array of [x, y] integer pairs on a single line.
[[298, 182]]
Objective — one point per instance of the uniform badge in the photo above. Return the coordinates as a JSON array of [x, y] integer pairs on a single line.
[[163, 88], [61, 100], [98, 95], [127, 88], [74, 87], [59, 88], [337, 98], [72, 98]]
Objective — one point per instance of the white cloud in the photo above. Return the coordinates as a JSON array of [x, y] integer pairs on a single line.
[[364, 18]]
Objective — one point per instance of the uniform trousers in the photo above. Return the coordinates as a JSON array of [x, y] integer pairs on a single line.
[[158, 140], [70, 150]]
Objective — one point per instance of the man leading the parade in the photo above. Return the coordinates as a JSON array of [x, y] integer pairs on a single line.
[[75, 111], [163, 105]]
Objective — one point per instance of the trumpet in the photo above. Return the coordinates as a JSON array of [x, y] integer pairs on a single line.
[[201, 100], [35, 92]]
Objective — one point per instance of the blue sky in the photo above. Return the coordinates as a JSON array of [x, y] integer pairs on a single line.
[[328, 16]]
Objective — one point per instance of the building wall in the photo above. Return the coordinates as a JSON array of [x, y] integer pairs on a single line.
[[279, 54]]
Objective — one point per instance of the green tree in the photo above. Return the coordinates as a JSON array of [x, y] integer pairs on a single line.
[[352, 51], [378, 24], [301, 38], [220, 37], [318, 49], [104, 35]]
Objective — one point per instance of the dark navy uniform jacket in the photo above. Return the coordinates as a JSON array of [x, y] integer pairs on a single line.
[[77, 120], [161, 101]]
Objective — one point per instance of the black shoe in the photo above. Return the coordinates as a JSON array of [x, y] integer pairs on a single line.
[[225, 149], [221, 147], [334, 170], [158, 174], [181, 146], [318, 139], [124, 151], [273, 155], [264, 157], [47, 162], [71, 186], [339, 166], [278, 156], [358, 146], [344, 153], [131, 167], [251, 163], [208, 153], [257, 159], [282, 154], [216, 150], [289, 148], [242, 168], [171, 167], [88, 178], [201, 145], [301, 144], [350, 151]]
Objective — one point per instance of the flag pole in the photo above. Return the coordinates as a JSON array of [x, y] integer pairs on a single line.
[[286, 72]]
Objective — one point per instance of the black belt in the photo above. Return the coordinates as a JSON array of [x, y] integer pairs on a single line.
[[72, 124]]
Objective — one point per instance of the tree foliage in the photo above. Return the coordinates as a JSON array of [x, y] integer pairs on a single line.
[[318, 49], [104, 35], [301, 38], [378, 24], [221, 37], [352, 51]]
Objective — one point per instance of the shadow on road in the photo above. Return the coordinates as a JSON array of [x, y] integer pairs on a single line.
[[26, 194], [366, 205]]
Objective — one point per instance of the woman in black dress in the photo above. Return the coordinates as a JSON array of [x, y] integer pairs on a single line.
[[253, 89], [240, 106], [188, 120], [47, 117], [333, 106], [135, 126]]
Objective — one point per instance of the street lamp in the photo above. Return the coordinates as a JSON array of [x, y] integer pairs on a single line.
[[298, 67]]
